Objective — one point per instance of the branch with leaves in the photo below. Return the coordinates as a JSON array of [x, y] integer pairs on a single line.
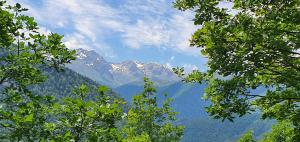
[[250, 45]]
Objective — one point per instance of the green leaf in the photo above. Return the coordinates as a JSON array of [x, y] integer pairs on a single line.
[[28, 118], [18, 5]]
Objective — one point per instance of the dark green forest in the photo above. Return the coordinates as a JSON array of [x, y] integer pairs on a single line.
[[61, 84]]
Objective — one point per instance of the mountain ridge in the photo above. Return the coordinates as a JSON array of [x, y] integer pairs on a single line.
[[92, 65]]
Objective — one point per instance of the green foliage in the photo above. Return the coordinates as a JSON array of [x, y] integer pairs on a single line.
[[147, 121], [206, 129], [23, 50], [191, 114], [22, 115], [254, 44], [247, 137], [281, 132], [140, 138], [80, 118]]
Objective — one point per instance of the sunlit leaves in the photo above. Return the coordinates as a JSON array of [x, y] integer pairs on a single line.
[[83, 117], [247, 137], [24, 52], [24, 49], [284, 131], [147, 121]]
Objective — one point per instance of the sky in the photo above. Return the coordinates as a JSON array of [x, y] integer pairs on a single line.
[[119, 30]]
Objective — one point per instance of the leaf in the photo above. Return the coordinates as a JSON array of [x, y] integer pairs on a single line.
[[103, 89], [28, 118], [90, 114], [18, 5]]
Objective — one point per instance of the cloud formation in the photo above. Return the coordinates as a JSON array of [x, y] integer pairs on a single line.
[[139, 23], [136, 23]]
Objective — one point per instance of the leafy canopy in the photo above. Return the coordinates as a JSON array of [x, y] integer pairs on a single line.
[[253, 44], [86, 117], [147, 121], [24, 51]]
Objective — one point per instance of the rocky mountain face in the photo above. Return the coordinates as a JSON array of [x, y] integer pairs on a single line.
[[94, 66]]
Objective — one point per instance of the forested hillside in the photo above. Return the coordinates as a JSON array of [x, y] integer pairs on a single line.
[[62, 83], [199, 126], [206, 129]]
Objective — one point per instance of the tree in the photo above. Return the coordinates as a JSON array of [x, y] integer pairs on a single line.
[[281, 132], [146, 121], [86, 117], [24, 51], [247, 137], [255, 44]]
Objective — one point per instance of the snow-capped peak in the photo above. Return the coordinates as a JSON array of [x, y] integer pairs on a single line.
[[121, 73], [81, 55], [139, 64], [115, 67], [91, 64]]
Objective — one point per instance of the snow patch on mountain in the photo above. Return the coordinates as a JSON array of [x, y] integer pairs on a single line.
[[139, 65], [116, 67], [91, 64], [81, 55], [94, 66]]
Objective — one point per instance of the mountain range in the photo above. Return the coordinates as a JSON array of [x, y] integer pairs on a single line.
[[92, 65]]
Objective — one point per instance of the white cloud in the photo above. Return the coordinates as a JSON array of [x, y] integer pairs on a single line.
[[145, 33], [86, 27], [168, 65], [138, 23], [161, 26], [75, 41], [104, 50], [146, 7], [181, 30]]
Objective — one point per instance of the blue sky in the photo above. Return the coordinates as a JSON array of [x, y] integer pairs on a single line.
[[119, 30]]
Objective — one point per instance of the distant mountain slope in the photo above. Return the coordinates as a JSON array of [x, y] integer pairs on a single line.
[[94, 66], [199, 126], [206, 129], [62, 83], [187, 97]]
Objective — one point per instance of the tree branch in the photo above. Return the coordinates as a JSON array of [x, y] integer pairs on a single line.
[[2, 80], [282, 98]]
